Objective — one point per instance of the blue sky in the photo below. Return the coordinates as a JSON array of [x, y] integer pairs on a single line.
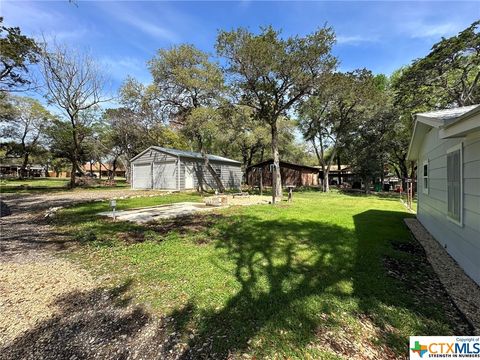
[[123, 36]]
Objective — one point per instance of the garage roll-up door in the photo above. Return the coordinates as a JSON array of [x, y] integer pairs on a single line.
[[142, 176], [165, 175]]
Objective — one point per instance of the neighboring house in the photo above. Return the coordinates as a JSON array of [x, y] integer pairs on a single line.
[[103, 170], [161, 168], [338, 176], [446, 146], [13, 170], [291, 174]]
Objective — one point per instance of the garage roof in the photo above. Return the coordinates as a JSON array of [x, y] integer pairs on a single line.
[[187, 154]]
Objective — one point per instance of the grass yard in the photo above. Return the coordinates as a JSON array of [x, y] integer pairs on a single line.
[[328, 276], [42, 185]]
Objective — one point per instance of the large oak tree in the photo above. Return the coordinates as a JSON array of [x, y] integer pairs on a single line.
[[272, 74], [331, 116], [189, 88]]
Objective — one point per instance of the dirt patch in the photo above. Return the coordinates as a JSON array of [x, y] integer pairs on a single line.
[[413, 248], [136, 236], [357, 344], [248, 200], [423, 287], [186, 224], [182, 225]]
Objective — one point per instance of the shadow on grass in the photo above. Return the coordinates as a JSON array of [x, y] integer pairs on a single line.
[[285, 268], [296, 277]]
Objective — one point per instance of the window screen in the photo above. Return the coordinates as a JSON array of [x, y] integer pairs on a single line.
[[454, 184]]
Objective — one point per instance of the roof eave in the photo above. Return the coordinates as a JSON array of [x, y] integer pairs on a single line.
[[419, 131], [141, 153]]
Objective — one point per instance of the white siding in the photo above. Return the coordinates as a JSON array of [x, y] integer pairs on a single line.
[[142, 176], [161, 179], [462, 242], [165, 175], [230, 174]]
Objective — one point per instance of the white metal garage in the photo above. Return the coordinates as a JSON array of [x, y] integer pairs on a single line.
[[171, 169]]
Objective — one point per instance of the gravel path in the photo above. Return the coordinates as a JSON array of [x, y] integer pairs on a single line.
[[461, 288], [26, 234], [51, 309]]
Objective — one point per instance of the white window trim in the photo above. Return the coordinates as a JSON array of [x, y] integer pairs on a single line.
[[425, 189], [450, 150]]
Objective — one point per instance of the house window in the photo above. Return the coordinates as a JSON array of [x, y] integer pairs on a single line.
[[425, 177], [218, 171], [454, 184]]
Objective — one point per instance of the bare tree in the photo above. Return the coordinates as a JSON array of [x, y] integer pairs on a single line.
[[75, 84]]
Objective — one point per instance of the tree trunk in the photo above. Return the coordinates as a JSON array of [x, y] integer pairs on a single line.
[[261, 171], [382, 176], [24, 165], [75, 152], [339, 171], [244, 158], [209, 168], [277, 177], [114, 168], [367, 185], [326, 185], [73, 175]]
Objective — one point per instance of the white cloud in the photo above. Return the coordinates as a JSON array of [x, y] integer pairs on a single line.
[[419, 29], [40, 24], [121, 67], [139, 21], [356, 39], [150, 28], [27, 15]]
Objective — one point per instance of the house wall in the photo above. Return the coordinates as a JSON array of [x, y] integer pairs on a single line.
[[461, 242], [290, 176]]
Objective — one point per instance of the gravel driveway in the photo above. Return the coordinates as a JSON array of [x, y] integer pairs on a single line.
[[51, 309]]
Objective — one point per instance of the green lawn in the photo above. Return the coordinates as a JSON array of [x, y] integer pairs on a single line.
[[326, 275], [37, 185]]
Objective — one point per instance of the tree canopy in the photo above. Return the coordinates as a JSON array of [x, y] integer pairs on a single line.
[[17, 52], [271, 74], [448, 76]]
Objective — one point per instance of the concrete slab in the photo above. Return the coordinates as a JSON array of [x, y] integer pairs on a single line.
[[153, 213]]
